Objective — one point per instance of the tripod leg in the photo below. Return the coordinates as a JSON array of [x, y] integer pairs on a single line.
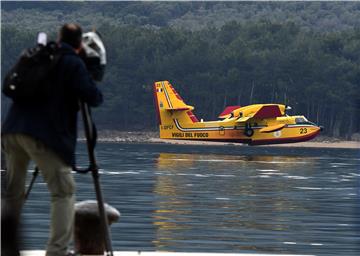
[[90, 141], [35, 174], [103, 216]]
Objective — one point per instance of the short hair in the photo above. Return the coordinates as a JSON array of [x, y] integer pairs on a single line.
[[71, 34]]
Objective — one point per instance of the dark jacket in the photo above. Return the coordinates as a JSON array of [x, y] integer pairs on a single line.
[[53, 121]]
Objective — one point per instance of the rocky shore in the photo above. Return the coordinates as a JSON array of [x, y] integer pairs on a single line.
[[122, 136]]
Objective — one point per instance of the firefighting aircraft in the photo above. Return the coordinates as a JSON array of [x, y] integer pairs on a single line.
[[256, 124]]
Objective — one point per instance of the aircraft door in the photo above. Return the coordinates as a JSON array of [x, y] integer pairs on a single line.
[[222, 130]]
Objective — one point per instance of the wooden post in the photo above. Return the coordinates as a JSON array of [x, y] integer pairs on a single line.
[[88, 233]]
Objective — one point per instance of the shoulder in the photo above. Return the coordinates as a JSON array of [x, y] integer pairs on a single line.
[[69, 56], [72, 62], [72, 59]]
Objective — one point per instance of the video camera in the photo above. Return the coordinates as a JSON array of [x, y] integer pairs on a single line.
[[94, 54]]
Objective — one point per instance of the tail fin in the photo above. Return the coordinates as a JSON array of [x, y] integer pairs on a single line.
[[169, 105]]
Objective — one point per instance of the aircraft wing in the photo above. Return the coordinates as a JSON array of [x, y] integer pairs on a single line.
[[243, 119], [266, 111], [227, 111]]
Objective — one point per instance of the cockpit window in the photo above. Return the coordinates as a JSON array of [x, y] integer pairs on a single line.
[[300, 120]]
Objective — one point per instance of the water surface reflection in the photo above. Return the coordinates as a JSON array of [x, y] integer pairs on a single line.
[[220, 199], [233, 200]]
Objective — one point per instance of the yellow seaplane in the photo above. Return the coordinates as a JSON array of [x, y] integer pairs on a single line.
[[256, 124]]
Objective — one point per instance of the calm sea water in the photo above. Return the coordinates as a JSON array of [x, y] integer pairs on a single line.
[[220, 199]]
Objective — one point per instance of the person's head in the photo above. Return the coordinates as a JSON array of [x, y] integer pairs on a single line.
[[71, 34]]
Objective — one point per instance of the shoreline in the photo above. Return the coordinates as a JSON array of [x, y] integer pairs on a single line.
[[308, 144], [152, 138]]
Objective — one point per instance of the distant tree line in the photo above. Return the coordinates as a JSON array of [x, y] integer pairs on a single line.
[[310, 15], [317, 74]]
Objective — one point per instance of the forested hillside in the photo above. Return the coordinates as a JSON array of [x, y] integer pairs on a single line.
[[319, 16], [286, 58]]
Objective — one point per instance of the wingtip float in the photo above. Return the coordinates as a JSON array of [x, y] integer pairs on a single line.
[[257, 124]]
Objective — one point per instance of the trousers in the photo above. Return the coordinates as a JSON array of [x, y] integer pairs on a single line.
[[19, 149]]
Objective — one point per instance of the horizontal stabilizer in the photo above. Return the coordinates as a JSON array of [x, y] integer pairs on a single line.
[[272, 128], [227, 111]]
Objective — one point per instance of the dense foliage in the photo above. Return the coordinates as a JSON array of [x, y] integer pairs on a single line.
[[318, 74], [320, 16]]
